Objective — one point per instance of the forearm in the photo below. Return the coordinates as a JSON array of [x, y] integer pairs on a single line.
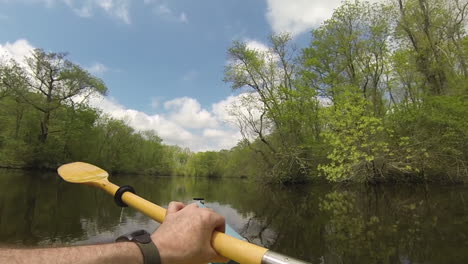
[[116, 253]]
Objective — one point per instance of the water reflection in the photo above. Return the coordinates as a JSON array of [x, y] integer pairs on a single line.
[[321, 224]]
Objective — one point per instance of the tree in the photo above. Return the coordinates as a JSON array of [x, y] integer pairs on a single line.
[[274, 107], [434, 32], [54, 80], [12, 82], [205, 164], [350, 49]]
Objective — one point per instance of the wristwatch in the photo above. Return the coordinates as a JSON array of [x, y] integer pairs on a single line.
[[143, 240]]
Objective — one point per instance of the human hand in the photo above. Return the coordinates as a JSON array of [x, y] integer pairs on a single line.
[[185, 235]]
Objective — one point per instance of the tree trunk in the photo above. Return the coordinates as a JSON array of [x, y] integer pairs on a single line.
[[44, 127], [19, 118]]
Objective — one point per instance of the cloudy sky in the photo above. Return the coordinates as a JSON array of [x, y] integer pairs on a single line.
[[162, 60]]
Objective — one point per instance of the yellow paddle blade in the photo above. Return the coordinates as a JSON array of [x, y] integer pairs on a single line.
[[81, 172]]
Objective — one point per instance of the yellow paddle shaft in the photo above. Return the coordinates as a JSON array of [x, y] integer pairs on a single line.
[[232, 248]]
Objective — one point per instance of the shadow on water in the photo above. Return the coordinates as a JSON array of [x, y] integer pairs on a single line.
[[321, 223]]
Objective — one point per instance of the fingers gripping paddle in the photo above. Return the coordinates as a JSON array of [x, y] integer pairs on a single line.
[[238, 250]]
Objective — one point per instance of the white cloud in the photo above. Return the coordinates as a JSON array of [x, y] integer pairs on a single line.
[[17, 50], [185, 124], [116, 8], [222, 109], [97, 68], [256, 45], [242, 110], [188, 112], [198, 129], [106, 4], [298, 16], [170, 131], [224, 138], [213, 133]]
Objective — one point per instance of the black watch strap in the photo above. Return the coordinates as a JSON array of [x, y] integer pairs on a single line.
[[150, 253], [148, 249]]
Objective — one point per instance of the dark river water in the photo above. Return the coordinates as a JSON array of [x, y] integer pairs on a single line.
[[317, 223]]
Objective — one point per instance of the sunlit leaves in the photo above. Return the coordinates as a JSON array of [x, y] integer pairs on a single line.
[[356, 139]]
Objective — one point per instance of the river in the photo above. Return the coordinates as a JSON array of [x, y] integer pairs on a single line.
[[317, 223]]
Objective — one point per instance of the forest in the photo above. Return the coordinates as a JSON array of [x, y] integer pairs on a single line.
[[380, 94]]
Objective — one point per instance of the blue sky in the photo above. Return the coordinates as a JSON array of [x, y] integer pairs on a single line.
[[162, 61]]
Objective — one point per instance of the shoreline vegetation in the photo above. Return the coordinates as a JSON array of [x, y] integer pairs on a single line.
[[380, 95]]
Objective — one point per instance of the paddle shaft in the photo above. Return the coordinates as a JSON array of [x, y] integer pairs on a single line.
[[227, 246]]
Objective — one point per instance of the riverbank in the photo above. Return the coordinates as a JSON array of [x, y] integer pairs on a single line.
[[313, 180]]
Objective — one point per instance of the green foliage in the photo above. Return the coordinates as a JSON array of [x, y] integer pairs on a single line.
[[205, 164], [277, 117], [433, 138], [356, 139], [242, 161], [378, 95]]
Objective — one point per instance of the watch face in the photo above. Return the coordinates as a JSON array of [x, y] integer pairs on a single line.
[[138, 233], [141, 236]]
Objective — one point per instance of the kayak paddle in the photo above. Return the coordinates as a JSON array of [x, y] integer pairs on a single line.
[[238, 250]]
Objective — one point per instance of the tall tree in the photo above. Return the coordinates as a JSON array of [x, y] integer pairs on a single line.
[[351, 48], [275, 108], [12, 83], [434, 31], [55, 80]]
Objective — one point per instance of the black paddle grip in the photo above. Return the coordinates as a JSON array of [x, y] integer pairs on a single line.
[[118, 195]]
